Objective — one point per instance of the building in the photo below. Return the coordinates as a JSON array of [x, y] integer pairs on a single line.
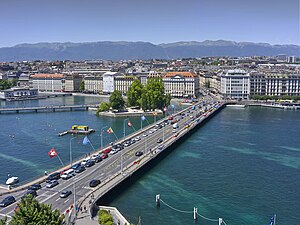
[[72, 82], [109, 82], [48, 82], [18, 93], [93, 84], [181, 84], [235, 84], [122, 83], [274, 84], [23, 80]]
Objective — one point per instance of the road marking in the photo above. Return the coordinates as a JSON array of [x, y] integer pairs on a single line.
[[4, 215], [57, 199], [88, 188], [66, 200]]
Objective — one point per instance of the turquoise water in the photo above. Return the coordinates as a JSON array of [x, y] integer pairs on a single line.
[[243, 166], [26, 138]]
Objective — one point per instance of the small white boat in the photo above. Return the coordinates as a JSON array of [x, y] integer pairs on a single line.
[[12, 180], [236, 106]]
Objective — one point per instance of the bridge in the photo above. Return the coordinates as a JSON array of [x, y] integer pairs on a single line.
[[118, 167], [57, 108]]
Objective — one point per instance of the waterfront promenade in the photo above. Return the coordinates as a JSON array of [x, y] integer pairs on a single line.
[[116, 168]]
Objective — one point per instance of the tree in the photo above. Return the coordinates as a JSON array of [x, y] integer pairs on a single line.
[[81, 88], [116, 100], [104, 106], [3, 221], [104, 218], [134, 93], [30, 211], [154, 97]]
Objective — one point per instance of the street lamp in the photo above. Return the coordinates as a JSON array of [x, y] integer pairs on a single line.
[[101, 135], [71, 160]]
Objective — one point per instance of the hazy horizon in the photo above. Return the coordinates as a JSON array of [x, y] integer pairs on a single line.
[[34, 21]]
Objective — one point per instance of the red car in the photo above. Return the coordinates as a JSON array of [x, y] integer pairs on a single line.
[[104, 156], [107, 150], [170, 118]]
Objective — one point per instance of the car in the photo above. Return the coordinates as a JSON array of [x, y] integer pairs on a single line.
[[85, 161], [65, 194], [94, 183], [53, 176], [132, 141], [151, 131], [159, 140], [90, 163], [29, 192], [80, 169], [120, 146], [138, 153], [174, 130], [67, 174], [145, 134], [170, 118], [127, 143], [52, 184], [138, 138], [75, 166], [7, 201], [112, 152], [98, 159], [115, 148], [95, 156], [35, 187], [107, 150], [104, 156]]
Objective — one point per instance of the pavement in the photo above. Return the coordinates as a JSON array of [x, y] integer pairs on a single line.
[[108, 172]]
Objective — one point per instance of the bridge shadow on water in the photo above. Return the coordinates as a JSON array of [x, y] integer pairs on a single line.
[[127, 183]]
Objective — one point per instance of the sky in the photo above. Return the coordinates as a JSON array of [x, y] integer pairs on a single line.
[[156, 21]]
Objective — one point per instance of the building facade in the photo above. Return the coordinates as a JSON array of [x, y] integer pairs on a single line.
[[181, 84], [235, 84], [18, 93], [72, 82], [48, 82], [93, 84]]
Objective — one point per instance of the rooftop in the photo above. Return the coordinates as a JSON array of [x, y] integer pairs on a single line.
[[47, 75]]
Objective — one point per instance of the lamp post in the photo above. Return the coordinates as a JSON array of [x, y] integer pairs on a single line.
[[101, 135], [71, 158]]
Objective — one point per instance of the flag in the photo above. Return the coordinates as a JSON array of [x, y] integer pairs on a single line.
[[85, 140], [165, 109], [272, 220], [110, 130], [129, 123], [52, 153], [143, 117], [173, 106]]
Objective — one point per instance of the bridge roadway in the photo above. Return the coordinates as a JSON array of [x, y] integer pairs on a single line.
[[107, 169], [46, 108]]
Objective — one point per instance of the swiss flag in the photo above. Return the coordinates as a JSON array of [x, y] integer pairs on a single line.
[[129, 123], [52, 153]]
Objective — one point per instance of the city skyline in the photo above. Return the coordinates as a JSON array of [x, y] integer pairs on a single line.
[[273, 22]]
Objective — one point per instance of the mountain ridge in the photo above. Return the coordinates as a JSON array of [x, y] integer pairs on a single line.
[[122, 50]]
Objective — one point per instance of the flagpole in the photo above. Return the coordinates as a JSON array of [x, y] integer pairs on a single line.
[[124, 133], [60, 160], [274, 219], [102, 130]]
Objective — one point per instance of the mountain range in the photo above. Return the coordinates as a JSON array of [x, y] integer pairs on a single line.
[[123, 50]]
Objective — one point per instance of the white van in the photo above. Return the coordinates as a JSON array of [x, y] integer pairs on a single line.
[[67, 174], [175, 126]]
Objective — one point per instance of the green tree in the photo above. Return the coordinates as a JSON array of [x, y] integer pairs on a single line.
[[31, 212], [104, 218], [3, 221], [154, 97], [104, 106], [134, 93], [116, 100], [81, 88], [6, 84]]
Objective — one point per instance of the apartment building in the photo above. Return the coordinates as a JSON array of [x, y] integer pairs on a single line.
[[48, 82], [72, 82], [93, 83], [235, 84], [181, 84]]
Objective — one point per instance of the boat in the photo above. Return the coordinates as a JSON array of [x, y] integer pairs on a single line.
[[63, 133], [236, 106], [12, 180]]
